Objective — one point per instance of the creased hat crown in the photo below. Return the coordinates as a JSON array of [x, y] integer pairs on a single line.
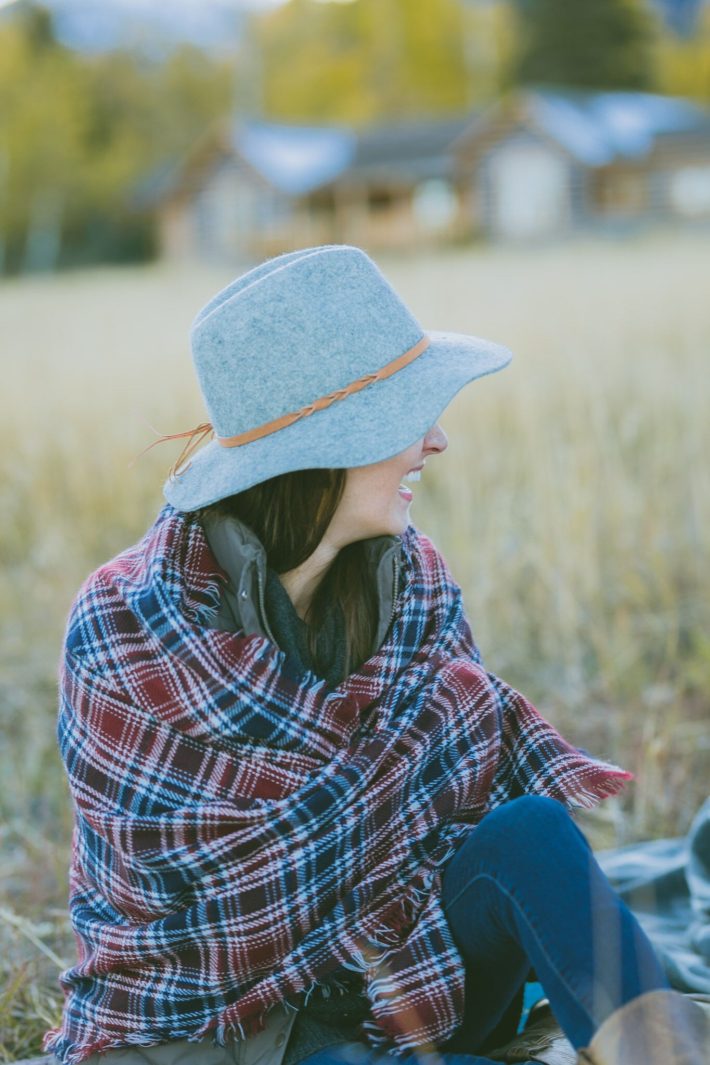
[[293, 329]]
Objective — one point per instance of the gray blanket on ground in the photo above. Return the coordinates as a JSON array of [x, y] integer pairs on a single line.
[[667, 885]]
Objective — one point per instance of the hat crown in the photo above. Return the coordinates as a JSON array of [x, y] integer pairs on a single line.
[[294, 329]]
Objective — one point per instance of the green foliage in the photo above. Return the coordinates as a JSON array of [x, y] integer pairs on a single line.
[[44, 107], [683, 64], [367, 60], [602, 45], [79, 133]]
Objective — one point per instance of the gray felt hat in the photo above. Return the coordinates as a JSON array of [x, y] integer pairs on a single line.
[[312, 360]]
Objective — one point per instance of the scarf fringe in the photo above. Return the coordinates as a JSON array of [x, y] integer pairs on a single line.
[[222, 1027], [219, 1031], [377, 951], [606, 787], [72, 1053], [323, 987], [406, 1050], [326, 989]]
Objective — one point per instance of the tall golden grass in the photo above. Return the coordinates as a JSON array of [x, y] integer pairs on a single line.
[[572, 503]]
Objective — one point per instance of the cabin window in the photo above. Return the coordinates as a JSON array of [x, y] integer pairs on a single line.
[[434, 204], [689, 190], [380, 199]]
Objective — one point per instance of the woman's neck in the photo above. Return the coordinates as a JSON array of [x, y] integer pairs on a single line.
[[301, 583]]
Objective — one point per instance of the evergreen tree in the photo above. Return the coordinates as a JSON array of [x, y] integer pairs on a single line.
[[594, 44]]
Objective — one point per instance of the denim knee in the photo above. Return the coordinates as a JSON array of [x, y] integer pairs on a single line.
[[527, 821], [526, 818]]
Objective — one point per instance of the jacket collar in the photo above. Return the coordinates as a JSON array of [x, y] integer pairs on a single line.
[[240, 552]]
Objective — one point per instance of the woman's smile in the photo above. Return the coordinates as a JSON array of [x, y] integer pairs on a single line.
[[413, 475], [367, 507]]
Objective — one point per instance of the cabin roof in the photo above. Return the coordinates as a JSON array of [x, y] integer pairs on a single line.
[[600, 127], [294, 159]]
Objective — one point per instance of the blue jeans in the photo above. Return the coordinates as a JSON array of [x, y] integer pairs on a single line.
[[523, 891]]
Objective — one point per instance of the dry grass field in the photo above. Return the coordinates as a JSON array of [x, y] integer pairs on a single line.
[[573, 505]]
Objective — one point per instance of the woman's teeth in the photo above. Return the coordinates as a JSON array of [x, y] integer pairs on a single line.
[[413, 475]]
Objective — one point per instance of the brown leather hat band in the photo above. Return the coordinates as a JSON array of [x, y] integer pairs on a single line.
[[205, 429], [325, 401]]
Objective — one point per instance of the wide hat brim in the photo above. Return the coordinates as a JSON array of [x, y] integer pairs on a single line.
[[365, 427]]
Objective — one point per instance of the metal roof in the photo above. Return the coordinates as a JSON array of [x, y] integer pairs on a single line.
[[298, 159], [413, 150], [599, 127], [294, 159]]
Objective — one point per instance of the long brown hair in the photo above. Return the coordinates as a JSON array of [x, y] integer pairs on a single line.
[[290, 514]]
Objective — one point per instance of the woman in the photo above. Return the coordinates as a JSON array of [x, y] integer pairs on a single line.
[[308, 823]]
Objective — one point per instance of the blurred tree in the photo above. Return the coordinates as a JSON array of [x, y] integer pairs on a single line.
[[36, 23], [683, 62], [142, 114], [489, 44], [370, 59], [45, 115], [78, 132], [607, 44], [682, 16]]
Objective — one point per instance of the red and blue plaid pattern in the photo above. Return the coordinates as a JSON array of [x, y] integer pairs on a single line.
[[241, 831]]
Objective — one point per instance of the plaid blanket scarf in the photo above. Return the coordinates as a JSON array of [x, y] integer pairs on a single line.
[[241, 831]]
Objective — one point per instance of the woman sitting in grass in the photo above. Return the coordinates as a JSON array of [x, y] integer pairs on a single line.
[[310, 826]]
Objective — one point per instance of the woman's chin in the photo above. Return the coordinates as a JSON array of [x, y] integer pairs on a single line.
[[392, 523], [402, 519]]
